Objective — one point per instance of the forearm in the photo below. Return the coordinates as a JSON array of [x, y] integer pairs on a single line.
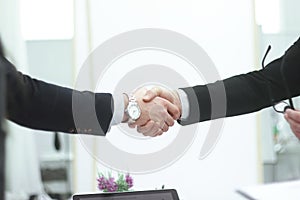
[[246, 93], [239, 96], [39, 105]]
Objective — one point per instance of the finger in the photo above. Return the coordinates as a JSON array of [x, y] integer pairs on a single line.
[[159, 113], [295, 126], [150, 95], [286, 116], [173, 110], [161, 116], [168, 119], [165, 128], [146, 128], [293, 114], [158, 133], [162, 125], [152, 130], [158, 92], [131, 125]]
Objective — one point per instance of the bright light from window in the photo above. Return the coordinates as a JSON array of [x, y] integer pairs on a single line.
[[46, 19], [267, 14]]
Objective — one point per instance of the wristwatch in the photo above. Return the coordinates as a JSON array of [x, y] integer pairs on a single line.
[[133, 110]]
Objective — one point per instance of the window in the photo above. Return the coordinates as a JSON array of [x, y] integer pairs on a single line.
[[46, 19]]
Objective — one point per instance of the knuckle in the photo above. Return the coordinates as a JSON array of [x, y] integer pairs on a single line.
[[172, 123], [154, 134], [165, 103], [166, 129], [164, 115], [148, 92], [177, 112], [162, 123], [145, 134], [139, 130], [155, 126]]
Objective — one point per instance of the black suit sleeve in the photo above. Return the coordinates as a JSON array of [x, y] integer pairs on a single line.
[[39, 105], [246, 93]]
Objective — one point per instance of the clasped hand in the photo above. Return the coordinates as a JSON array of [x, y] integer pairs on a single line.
[[159, 108]]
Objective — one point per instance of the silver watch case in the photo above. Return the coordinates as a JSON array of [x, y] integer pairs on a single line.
[[133, 110]]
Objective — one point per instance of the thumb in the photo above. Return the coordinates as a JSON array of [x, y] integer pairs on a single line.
[[159, 92], [150, 95], [131, 125]]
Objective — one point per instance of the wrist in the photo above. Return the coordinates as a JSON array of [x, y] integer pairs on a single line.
[[177, 101], [184, 102]]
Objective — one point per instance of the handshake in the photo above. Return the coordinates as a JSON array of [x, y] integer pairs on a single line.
[[152, 111]]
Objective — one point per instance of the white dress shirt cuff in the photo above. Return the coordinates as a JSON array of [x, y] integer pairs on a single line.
[[118, 110], [185, 105]]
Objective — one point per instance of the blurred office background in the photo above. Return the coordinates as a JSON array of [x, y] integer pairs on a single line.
[[50, 40]]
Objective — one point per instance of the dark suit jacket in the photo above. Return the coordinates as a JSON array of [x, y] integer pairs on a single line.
[[247, 93], [39, 105]]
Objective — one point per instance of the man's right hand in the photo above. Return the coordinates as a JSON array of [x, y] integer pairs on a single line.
[[164, 93], [163, 108], [293, 118], [159, 107]]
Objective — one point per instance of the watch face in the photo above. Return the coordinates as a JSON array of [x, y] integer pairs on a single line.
[[134, 111]]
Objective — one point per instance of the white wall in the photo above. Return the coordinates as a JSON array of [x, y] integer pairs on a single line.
[[225, 30], [26, 180]]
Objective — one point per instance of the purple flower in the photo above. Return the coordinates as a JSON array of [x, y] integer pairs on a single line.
[[101, 183], [111, 185], [108, 184], [129, 180]]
